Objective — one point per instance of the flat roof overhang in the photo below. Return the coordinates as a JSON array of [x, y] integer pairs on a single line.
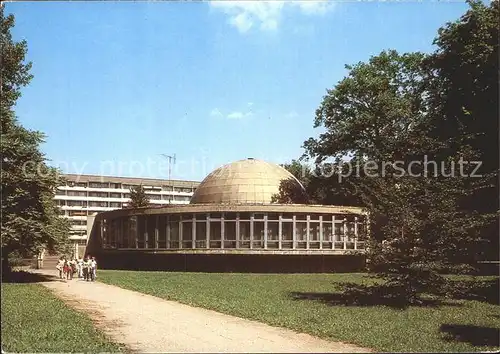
[[250, 208], [287, 252]]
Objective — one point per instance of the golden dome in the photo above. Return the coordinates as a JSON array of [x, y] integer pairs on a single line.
[[242, 182]]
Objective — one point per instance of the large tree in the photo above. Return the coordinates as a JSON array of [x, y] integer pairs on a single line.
[[321, 183], [30, 219], [393, 114], [464, 104]]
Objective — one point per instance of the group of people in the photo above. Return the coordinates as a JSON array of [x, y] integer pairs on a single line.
[[84, 268]]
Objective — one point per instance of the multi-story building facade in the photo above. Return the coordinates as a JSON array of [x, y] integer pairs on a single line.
[[86, 195]]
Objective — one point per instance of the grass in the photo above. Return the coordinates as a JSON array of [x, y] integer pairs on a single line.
[[34, 320], [304, 302]]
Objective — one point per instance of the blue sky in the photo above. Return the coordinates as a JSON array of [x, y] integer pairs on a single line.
[[117, 84]]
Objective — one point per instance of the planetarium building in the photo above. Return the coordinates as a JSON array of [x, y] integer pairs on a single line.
[[232, 225]]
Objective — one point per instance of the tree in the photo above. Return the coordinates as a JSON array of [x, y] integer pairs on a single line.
[[320, 183], [464, 105], [30, 220], [398, 109], [288, 192], [138, 198]]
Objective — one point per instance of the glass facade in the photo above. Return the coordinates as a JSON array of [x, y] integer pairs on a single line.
[[232, 230]]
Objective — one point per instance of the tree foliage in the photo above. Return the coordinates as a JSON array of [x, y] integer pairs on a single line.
[[138, 197], [30, 218], [396, 113]]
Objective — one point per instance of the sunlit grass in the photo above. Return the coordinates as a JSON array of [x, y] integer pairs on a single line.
[[34, 320], [268, 298]]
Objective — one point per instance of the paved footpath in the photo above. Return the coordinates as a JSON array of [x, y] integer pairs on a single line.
[[147, 324]]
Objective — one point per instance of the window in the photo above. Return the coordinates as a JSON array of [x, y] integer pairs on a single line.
[[126, 195], [81, 184], [272, 216], [115, 205], [244, 216], [98, 194], [98, 204], [286, 235], [77, 193], [181, 198], [154, 196], [244, 234], [98, 185], [258, 234], [60, 192], [77, 213], [76, 203], [215, 233], [115, 195]]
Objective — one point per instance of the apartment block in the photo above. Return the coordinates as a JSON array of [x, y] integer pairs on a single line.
[[87, 195]]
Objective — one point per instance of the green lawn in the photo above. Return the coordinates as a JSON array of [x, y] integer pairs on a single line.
[[34, 320], [269, 298]]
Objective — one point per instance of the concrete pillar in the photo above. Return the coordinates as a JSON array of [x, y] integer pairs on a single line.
[[167, 231], [146, 241], [280, 231], [308, 227], [208, 231], [193, 232], [237, 230], [181, 236], [157, 231], [355, 232], [294, 234], [265, 231], [321, 232], [344, 229], [251, 230], [222, 231]]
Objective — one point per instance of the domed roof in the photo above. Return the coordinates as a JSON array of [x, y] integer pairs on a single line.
[[242, 182]]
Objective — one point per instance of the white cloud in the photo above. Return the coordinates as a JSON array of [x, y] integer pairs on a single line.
[[266, 14], [215, 113], [242, 22], [238, 115], [291, 115], [235, 115], [315, 7]]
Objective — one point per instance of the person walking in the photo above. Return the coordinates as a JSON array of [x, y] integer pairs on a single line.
[[93, 268], [80, 267], [60, 266], [66, 270]]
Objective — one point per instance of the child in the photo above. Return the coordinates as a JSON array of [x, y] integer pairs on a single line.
[[66, 270]]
